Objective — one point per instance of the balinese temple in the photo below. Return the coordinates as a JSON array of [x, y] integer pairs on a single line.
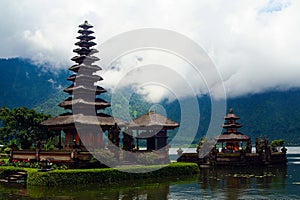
[[82, 127], [83, 106], [232, 137], [233, 148]]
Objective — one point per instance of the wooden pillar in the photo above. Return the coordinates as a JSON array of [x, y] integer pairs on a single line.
[[59, 144], [67, 138]]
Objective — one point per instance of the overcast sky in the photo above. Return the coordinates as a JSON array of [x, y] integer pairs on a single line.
[[254, 44]]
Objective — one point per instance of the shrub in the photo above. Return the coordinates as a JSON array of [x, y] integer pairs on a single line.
[[276, 144], [107, 175], [20, 164], [7, 150]]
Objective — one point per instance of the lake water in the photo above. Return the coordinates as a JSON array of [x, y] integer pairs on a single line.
[[212, 183]]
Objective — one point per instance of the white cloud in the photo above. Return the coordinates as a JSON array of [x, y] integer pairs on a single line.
[[154, 74], [253, 43]]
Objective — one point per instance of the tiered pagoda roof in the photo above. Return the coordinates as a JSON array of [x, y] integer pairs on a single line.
[[231, 126], [153, 119], [231, 123], [83, 102]]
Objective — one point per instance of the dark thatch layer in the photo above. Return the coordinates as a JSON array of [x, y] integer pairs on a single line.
[[86, 25], [85, 68], [153, 119], [84, 77], [70, 120], [83, 89], [231, 116], [98, 102], [232, 137], [234, 125]]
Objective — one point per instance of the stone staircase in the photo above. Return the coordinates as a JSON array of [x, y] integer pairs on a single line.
[[15, 177]]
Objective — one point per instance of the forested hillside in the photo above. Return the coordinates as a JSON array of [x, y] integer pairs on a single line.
[[274, 113], [25, 84]]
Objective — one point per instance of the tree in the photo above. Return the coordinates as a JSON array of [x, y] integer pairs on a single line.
[[23, 126], [276, 144]]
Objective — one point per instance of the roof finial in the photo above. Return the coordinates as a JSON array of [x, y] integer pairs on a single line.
[[152, 111], [230, 111]]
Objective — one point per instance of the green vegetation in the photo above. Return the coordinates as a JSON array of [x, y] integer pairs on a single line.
[[104, 175], [272, 113], [24, 84], [50, 105], [107, 175], [276, 144], [21, 127]]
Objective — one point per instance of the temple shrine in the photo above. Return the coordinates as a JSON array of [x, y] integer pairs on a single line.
[[84, 105], [232, 148], [232, 140], [82, 127]]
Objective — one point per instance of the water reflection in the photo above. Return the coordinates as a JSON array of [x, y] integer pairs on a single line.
[[144, 189], [233, 183], [94, 191], [278, 182]]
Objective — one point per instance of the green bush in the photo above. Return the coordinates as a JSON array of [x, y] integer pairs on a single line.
[[107, 175], [7, 150], [276, 144]]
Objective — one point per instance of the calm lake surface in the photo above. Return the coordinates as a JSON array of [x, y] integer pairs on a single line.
[[213, 183]]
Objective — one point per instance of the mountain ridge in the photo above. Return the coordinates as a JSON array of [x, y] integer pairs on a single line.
[[273, 113]]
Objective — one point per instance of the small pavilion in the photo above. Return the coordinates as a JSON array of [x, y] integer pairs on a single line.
[[152, 128]]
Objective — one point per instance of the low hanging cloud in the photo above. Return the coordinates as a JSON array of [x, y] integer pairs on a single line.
[[154, 74], [254, 44]]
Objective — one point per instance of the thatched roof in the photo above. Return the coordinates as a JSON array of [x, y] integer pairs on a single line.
[[85, 32], [231, 115], [153, 119], [99, 103], [83, 89], [69, 119], [85, 68], [85, 25], [85, 58], [83, 43], [232, 137], [233, 125], [84, 50], [91, 78], [86, 37]]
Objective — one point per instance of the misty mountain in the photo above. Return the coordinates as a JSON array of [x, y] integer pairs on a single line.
[[25, 84], [273, 113]]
